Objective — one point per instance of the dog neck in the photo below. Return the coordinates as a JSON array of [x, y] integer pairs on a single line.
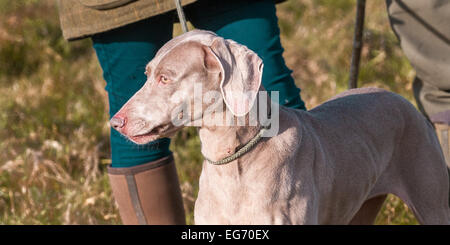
[[220, 142]]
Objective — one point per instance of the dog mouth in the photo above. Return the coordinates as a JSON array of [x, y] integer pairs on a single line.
[[154, 134]]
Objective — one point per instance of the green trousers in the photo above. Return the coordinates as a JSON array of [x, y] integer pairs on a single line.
[[124, 52]]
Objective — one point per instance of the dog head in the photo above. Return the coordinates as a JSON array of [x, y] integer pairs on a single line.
[[196, 58]]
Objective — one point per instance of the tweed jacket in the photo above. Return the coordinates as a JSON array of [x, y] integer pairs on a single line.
[[83, 18]]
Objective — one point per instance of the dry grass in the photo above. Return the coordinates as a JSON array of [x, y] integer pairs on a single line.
[[54, 143]]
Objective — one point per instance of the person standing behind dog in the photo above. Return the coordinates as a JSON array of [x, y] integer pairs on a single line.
[[126, 34], [423, 28]]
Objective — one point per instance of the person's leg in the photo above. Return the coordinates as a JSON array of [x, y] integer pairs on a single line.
[[431, 99], [254, 24], [123, 54], [143, 178], [424, 34], [422, 28]]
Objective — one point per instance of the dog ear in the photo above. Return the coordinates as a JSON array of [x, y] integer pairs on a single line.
[[211, 61], [241, 77]]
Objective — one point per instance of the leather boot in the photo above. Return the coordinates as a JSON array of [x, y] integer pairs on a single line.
[[442, 131], [149, 193]]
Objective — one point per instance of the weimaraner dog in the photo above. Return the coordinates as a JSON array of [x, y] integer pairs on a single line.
[[334, 164]]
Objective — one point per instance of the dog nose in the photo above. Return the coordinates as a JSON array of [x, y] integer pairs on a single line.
[[117, 122]]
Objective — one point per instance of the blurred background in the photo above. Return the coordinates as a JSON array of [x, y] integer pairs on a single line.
[[54, 131]]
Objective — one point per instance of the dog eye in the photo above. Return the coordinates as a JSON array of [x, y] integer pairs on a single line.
[[163, 79]]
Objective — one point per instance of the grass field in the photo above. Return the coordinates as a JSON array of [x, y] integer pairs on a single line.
[[54, 132]]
